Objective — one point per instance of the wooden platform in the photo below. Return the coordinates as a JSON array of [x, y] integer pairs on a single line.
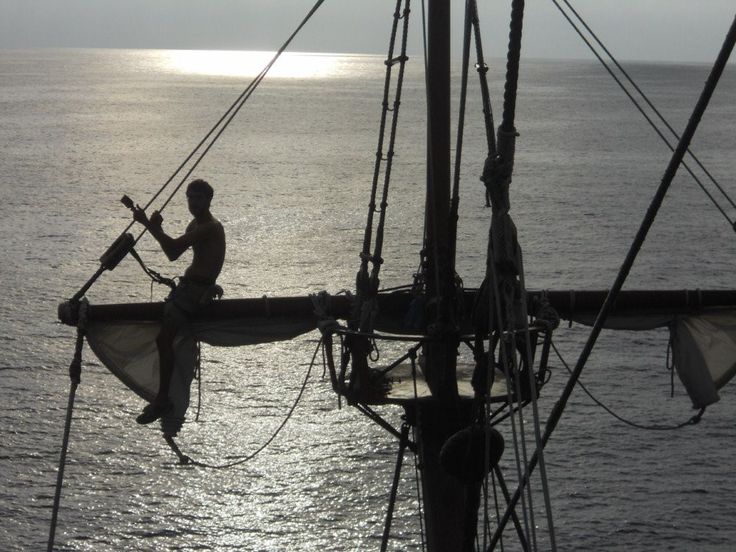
[[403, 391]]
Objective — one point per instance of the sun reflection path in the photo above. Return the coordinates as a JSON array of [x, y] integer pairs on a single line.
[[231, 63]]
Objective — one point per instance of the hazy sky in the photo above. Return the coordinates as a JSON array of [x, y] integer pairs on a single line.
[[666, 30]]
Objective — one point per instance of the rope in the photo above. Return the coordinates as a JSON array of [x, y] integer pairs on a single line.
[[198, 377], [535, 412], [512, 66], [155, 276], [395, 486], [367, 238], [221, 124], [508, 358], [417, 478], [482, 72], [455, 199], [652, 427], [646, 224], [671, 147], [185, 460], [75, 373]]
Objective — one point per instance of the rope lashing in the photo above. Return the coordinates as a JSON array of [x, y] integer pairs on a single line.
[[217, 129], [75, 377]]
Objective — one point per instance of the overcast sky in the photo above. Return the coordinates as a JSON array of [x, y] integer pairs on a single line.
[[662, 30]]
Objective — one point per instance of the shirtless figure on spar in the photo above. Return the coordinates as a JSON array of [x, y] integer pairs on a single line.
[[206, 236]]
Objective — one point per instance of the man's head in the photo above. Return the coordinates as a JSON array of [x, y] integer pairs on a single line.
[[199, 196]]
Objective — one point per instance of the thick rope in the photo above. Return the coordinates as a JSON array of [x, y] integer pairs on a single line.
[[186, 460], [661, 135], [652, 427], [623, 273], [512, 66], [75, 373]]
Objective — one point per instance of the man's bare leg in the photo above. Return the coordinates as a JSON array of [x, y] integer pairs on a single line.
[[161, 404]]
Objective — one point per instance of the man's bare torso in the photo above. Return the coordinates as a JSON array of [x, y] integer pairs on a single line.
[[208, 247]]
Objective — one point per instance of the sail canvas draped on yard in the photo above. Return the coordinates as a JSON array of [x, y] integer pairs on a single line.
[[128, 349], [704, 349]]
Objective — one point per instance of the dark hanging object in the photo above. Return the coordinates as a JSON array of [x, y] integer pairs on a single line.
[[465, 456]]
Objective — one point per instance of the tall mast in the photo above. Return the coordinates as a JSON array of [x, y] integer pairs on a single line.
[[450, 508], [440, 359]]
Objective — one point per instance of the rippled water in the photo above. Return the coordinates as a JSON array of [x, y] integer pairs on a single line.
[[82, 127]]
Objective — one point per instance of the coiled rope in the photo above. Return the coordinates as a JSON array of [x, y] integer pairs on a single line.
[[188, 460]]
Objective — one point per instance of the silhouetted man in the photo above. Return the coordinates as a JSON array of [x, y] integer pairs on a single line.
[[206, 236]]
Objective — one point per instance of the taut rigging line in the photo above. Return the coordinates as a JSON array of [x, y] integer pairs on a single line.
[[217, 129], [623, 273], [661, 117]]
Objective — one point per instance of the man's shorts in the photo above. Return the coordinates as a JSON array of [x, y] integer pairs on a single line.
[[184, 301]]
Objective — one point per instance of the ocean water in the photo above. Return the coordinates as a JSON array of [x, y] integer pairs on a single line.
[[292, 176]]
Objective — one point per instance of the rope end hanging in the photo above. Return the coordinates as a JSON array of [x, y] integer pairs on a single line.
[[184, 460]]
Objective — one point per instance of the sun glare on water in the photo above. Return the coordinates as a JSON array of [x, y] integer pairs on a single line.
[[230, 63]]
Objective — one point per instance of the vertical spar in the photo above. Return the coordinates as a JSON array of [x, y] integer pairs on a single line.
[[450, 507]]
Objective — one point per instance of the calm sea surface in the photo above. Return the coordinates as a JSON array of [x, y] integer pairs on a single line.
[[292, 176]]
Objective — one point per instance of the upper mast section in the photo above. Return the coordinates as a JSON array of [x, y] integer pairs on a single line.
[[440, 273]]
